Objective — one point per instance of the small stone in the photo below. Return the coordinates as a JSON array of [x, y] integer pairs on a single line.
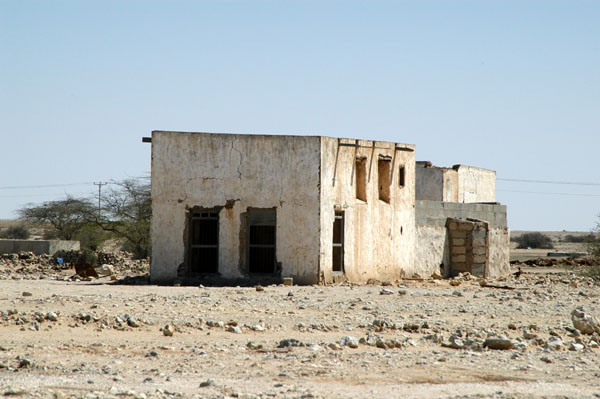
[[585, 323], [288, 281], [546, 359], [207, 383], [132, 322], [575, 347], [457, 293], [168, 330], [26, 293], [349, 341], [554, 344], [402, 292], [257, 327], [24, 362], [234, 329], [334, 346], [259, 288], [454, 283], [499, 343], [51, 316], [385, 291]]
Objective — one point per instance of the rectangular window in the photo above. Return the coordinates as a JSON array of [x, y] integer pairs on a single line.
[[401, 176], [261, 241], [361, 179], [204, 242], [338, 242], [383, 174]]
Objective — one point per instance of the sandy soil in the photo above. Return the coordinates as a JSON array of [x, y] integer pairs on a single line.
[[96, 339]]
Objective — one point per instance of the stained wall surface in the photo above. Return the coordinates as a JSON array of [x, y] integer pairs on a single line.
[[233, 173], [476, 184], [465, 184], [432, 245], [379, 236]]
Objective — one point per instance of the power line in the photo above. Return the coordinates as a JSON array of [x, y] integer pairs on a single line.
[[46, 185], [552, 182], [546, 193]]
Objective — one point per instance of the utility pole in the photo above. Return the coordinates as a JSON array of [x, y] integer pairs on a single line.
[[100, 184]]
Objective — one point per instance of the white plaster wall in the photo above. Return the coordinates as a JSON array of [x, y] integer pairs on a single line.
[[431, 250], [499, 256], [476, 184], [450, 178], [206, 170], [379, 237]]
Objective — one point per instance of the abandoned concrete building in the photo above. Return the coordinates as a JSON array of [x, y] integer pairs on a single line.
[[317, 209]]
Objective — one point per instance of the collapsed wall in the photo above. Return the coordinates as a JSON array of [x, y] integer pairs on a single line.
[[442, 248]]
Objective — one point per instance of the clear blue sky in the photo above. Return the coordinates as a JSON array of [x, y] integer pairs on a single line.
[[512, 86]]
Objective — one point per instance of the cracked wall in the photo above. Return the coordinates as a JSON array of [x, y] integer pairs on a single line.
[[379, 236], [236, 172]]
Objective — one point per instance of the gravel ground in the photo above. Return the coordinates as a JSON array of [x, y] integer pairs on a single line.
[[409, 339]]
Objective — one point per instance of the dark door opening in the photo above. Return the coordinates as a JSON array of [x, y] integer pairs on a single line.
[[261, 241], [204, 242], [338, 242]]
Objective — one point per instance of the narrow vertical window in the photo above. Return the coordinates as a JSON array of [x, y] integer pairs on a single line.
[[338, 242], [401, 176], [361, 179], [383, 174], [204, 242]]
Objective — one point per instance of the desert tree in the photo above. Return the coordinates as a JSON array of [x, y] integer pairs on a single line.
[[67, 217], [126, 211]]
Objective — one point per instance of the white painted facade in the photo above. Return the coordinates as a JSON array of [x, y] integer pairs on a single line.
[[461, 183], [304, 181]]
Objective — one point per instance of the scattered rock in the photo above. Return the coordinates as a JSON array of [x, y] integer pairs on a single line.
[[349, 341], [585, 323], [168, 330], [554, 344], [500, 343]]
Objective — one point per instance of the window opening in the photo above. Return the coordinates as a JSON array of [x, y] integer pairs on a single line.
[[361, 179], [261, 241], [401, 174], [338, 242], [383, 172], [204, 242]]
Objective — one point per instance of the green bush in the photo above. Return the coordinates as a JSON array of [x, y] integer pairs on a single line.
[[580, 239], [19, 232], [534, 240], [91, 236]]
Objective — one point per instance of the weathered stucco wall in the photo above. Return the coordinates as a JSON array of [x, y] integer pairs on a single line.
[[429, 182], [379, 237], [432, 247], [431, 251], [241, 171], [499, 251], [476, 184]]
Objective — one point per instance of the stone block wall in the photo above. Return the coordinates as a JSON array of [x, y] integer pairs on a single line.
[[468, 246]]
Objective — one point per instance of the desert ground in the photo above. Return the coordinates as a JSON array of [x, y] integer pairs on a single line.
[[513, 337]]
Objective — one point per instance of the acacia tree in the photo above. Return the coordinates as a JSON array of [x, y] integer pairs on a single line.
[[126, 211], [66, 216]]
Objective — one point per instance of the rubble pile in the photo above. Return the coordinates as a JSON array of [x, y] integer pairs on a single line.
[[29, 266], [553, 262]]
